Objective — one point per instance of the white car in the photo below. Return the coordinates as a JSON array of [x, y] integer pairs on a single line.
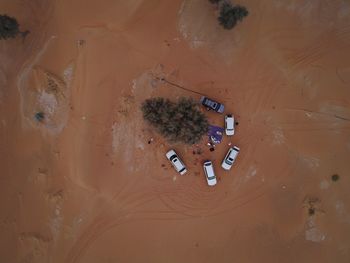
[[230, 158], [229, 125], [176, 162], [209, 173]]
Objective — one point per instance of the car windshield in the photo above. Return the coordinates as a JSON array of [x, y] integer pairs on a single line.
[[211, 177], [228, 162]]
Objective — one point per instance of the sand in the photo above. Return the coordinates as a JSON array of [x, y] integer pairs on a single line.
[[84, 185]]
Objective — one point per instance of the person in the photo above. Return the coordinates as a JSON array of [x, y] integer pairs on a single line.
[[211, 146]]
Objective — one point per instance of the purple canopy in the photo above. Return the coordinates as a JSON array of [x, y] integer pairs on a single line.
[[215, 133]]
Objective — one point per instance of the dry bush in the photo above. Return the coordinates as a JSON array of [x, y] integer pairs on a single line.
[[230, 15], [178, 122], [9, 27]]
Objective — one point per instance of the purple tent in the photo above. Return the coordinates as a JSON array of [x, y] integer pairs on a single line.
[[215, 133]]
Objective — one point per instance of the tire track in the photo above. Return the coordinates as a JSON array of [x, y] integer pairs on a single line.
[[104, 222], [328, 41], [312, 53], [179, 205], [194, 202]]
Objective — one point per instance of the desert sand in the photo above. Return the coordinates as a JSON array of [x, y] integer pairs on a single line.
[[85, 185]]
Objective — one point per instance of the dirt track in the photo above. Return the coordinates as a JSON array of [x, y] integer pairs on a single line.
[[86, 186]]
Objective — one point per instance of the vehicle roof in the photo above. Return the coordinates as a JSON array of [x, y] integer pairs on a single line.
[[178, 164], [209, 102], [229, 122], [209, 168], [233, 153]]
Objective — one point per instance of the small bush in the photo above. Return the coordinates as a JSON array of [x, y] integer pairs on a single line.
[[230, 15], [9, 27], [335, 177], [178, 122], [39, 116], [311, 211]]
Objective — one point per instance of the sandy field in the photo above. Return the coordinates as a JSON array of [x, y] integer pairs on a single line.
[[85, 185]]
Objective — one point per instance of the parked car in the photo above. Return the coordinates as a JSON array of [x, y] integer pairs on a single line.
[[176, 162], [229, 125], [212, 105], [230, 158], [209, 173]]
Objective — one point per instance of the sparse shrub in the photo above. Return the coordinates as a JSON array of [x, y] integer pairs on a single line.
[[335, 177], [39, 116], [9, 27], [230, 15], [178, 122], [311, 211], [240, 12]]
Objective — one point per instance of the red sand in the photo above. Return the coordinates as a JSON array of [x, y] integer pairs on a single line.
[[85, 185]]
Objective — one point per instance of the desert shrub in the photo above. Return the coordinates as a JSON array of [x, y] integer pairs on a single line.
[[311, 211], [178, 122], [240, 12], [39, 116], [9, 27], [335, 177], [230, 15]]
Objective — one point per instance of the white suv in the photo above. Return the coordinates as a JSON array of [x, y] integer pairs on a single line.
[[230, 158], [209, 173], [229, 125], [176, 162]]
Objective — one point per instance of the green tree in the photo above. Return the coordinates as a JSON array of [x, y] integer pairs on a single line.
[[240, 12], [178, 122], [9, 27], [230, 15]]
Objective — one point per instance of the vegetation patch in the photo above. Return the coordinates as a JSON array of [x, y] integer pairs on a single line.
[[180, 121], [335, 177], [9, 27], [311, 211], [39, 116], [230, 15]]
